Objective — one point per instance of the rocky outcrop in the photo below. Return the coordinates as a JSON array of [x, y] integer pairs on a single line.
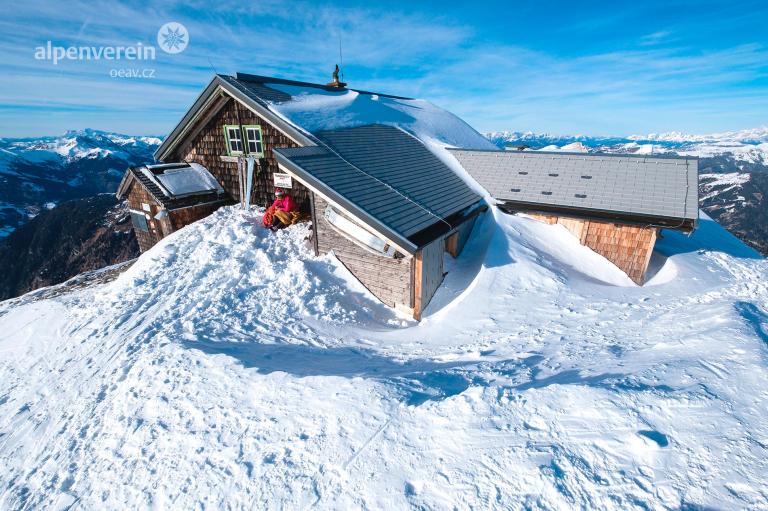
[[72, 238]]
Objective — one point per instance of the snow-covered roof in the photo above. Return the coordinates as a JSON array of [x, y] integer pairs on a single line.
[[180, 180], [301, 109], [385, 177], [316, 108], [174, 184]]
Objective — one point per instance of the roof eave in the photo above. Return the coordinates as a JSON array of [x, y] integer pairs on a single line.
[[682, 224], [321, 188], [125, 184], [170, 141], [439, 229], [204, 100], [293, 131]]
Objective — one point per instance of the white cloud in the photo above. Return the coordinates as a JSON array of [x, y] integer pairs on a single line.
[[653, 86]]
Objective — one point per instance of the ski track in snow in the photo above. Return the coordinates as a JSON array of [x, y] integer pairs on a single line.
[[230, 368]]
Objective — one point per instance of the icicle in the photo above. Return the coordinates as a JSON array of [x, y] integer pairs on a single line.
[[249, 182]]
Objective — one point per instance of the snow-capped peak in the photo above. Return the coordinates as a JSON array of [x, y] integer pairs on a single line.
[[748, 145], [747, 136], [79, 144]]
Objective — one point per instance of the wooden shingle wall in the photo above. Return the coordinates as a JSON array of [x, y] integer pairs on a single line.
[[208, 145], [137, 196], [387, 279], [185, 216], [178, 218], [629, 247]]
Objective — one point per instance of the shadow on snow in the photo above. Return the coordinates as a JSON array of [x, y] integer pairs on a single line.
[[709, 237], [415, 381]]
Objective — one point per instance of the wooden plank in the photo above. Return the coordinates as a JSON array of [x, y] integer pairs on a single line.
[[431, 270], [417, 286], [629, 247], [452, 244], [388, 279]]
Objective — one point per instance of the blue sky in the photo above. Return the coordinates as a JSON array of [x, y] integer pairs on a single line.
[[557, 67]]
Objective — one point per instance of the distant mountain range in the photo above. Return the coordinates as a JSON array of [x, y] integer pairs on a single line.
[[745, 146], [733, 169], [39, 173]]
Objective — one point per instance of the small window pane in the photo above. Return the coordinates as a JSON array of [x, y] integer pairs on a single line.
[[139, 221], [234, 139], [253, 139]]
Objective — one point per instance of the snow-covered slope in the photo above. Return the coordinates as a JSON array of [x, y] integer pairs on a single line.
[[229, 367]]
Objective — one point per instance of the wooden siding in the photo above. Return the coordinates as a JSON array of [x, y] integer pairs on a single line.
[[185, 216], [465, 231], [627, 246], [137, 196], [429, 273], [387, 279], [207, 145], [452, 244], [159, 229]]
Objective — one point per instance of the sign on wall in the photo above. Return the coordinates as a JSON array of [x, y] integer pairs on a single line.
[[283, 180]]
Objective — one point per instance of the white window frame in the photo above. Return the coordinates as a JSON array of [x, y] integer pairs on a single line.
[[233, 133], [136, 213], [257, 140], [358, 235]]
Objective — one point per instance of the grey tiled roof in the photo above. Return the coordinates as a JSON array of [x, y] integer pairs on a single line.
[[384, 173], [650, 186]]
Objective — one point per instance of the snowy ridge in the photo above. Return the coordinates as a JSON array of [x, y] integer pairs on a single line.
[[750, 145], [74, 145], [754, 135], [716, 184], [229, 367]]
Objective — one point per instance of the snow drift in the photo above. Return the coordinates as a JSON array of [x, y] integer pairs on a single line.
[[229, 367]]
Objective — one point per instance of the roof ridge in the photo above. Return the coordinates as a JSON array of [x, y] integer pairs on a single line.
[[266, 80], [570, 153]]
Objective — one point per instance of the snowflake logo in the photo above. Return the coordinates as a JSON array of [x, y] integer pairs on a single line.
[[173, 37]]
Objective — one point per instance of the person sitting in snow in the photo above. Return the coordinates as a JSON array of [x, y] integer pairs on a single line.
[[282, 212]]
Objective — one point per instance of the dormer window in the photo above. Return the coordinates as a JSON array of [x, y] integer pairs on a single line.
[[234, 140], [253, 140]]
